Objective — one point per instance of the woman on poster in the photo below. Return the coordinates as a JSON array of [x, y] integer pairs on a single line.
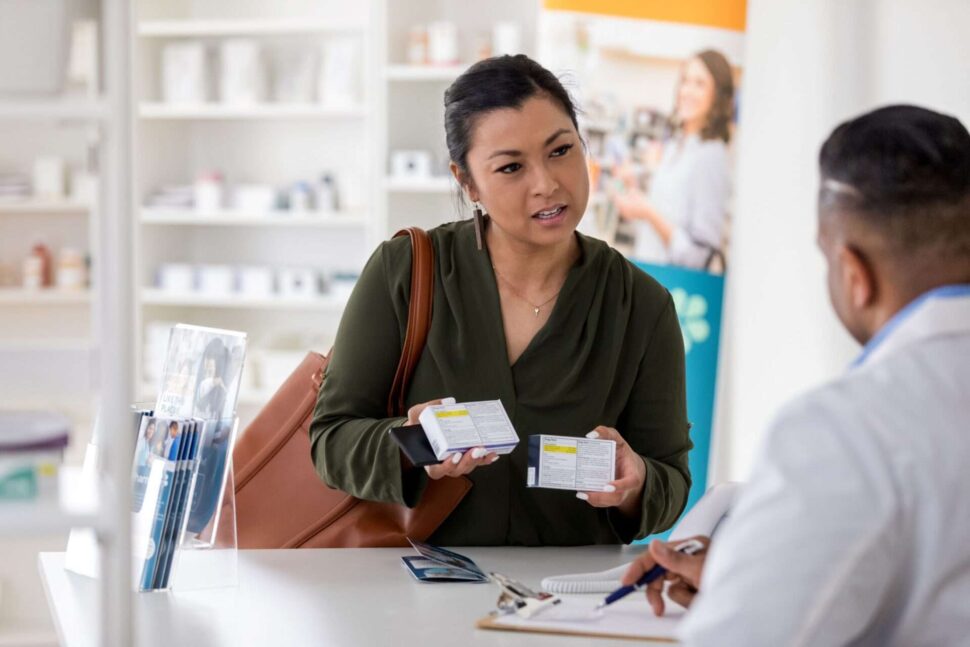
[[681, 219]]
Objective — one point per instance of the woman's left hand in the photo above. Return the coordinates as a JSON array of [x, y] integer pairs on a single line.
[[626, 491]]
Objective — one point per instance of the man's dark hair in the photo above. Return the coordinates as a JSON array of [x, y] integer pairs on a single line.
[[493, 84], [905, 171]]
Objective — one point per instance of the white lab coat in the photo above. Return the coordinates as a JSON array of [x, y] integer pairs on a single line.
[[855, 526]]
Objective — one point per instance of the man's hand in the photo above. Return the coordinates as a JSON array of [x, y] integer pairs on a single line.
[[683, 572]]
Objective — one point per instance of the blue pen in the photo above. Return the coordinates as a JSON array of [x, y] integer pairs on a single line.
[[689, 547]]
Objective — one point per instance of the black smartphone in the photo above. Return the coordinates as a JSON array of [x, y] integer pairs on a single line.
[[414, 443]]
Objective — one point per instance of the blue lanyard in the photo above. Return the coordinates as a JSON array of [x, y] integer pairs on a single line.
[[944, 292]]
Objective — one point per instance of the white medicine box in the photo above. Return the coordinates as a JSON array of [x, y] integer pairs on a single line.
[[459, 427], [568, 463]]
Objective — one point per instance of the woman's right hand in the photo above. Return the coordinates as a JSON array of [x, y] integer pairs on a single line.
[[456, 464]]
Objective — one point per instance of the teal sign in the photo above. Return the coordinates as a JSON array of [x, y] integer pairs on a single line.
[[698, 297]]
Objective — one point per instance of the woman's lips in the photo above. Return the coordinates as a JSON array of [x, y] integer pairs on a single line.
[[553, 217]]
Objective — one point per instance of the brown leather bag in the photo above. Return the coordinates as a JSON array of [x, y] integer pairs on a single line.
[[281, 501]]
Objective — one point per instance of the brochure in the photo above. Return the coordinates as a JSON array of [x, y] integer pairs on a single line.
[[436, 564], [202, 371]]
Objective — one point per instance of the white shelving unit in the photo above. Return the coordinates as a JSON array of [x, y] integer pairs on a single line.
[[270, 143], [244, 27], [53, 341], [70, 109], [42, 297], [424, 72], [150, 110], [44, 206], [275, 304], [236, 218], [73, 508], [413, 116], [431, 185]]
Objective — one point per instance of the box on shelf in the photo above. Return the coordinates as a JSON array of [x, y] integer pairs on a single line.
[[31, 450]]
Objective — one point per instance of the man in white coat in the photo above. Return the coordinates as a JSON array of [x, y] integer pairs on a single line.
[[855, 525]]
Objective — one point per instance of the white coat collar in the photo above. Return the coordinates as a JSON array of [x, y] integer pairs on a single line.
[[942, 311]]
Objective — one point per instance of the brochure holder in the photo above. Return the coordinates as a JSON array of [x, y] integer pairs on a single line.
[[209, 558], [206, 556]]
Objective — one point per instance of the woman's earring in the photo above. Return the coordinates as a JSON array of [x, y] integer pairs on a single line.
[[479, 226]]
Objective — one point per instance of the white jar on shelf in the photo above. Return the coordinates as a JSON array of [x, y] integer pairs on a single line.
[[442, 43], [242, 78], [71, 270], [184, 74], [208, 192]]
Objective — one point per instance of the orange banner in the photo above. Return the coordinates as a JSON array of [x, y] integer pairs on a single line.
[[723, 14]]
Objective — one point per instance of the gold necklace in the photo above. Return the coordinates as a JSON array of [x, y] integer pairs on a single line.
[[535, 308]]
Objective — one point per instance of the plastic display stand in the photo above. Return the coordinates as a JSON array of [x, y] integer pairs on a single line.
[[207, 556]]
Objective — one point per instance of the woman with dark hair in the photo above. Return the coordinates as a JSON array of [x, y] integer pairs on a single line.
[[681, 219], [211, 390], [560, 327]]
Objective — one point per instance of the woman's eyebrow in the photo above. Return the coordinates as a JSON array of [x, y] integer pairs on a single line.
[[516, 153]]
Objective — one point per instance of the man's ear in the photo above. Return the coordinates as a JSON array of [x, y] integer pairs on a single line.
[[463, 181], [858, 277]]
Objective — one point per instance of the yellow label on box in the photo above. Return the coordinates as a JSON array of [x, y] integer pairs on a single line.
[[450, 414], [562, 449]]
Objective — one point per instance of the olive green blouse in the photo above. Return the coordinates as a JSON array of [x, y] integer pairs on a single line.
[[611, 353]]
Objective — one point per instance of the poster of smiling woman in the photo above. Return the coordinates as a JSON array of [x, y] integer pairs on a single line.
[[659, 86]]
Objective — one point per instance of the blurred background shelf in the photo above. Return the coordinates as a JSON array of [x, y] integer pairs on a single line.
[[429, 185], [216, 111], [75, 507], [424, 72], [232, 218], [42, 206], [47, 296], [154, 297], [60, 109], [253, 27]]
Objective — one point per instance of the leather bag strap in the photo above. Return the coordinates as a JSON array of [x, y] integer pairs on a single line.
[[419, 316]]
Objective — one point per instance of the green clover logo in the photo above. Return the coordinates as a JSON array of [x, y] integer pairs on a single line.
[[692, 313]]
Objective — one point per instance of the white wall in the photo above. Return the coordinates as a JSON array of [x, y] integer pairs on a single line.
[[809, 66]]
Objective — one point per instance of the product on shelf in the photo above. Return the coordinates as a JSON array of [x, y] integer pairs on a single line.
[[14, 187], [338, 85], [184, 76], [442, 43], [242, 78], [172, 197], [208, 194], [49, 177], [31, 451], [71, 269], [37, 268]]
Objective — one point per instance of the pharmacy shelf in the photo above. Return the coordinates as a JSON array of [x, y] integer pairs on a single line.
[[267, 27], [156, 297], [31, 345], [44, 207], [54, 109], [229, 217], [75, 507], [430, 185], [213, 111], [46, 296], [424, 72]]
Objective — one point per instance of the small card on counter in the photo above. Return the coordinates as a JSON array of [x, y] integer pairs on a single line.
[[436, 564], [459, 427], [569, 463]]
